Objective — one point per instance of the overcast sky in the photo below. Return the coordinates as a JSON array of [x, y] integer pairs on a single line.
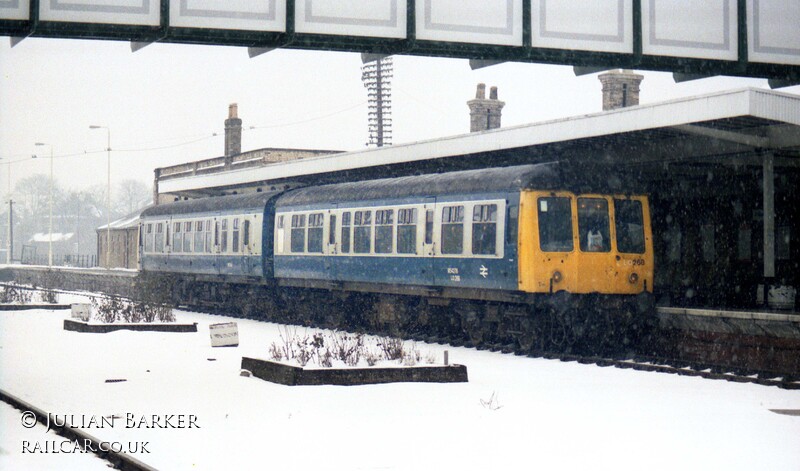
[[164, 103]]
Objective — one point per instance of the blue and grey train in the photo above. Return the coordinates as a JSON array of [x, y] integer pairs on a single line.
[[488, 253]]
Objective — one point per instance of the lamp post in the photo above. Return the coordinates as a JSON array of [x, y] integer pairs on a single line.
[[50, 191], [108, 194], [9, 244]]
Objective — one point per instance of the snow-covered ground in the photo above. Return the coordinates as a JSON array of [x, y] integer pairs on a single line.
[[515, 412]]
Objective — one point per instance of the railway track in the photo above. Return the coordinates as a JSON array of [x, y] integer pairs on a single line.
[[637, 362]]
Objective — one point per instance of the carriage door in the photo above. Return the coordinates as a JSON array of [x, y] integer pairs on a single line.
[[330, 244], [428, 246]]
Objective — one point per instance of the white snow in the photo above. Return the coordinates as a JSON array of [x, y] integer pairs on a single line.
[[515, 412]]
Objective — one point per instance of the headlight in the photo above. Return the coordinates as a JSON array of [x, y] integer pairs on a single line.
[[633, 278], [557, 277]]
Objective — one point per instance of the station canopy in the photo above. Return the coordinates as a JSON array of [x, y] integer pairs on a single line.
[[751, 38], [653, 142]]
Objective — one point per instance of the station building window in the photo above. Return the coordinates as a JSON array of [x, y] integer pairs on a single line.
[[593, 225], [407, 231], [384, 230], [555, 224], [298, 233], [629, 225], [315, 224], [362, 231], [453, 230], [484, 229], [346, 232]]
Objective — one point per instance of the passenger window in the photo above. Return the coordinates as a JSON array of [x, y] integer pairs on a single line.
[[246, 233], [629, 225], [407, 230], [484, 229], [429, 227], [298, 233], [315, 224], [453, 230], [332, 229], [384, 230], [235, 235], [223, 236], [176, 237], [187, 237], [593, 226], [555, 224], [362, 231], [345, 232], [159, 239], [199, 237], [148, 238]]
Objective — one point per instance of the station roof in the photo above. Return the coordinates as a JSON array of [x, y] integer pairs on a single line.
[[725, 128]]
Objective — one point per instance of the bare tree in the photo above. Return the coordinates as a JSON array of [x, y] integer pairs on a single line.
[[130, 196]]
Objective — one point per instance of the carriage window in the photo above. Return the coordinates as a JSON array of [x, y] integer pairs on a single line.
[[246, 233], [429, 227], [209, 235], [235, 235], [453, 229], [629, 224], [332, 229], [187, 237], [384, 230], [407, 230], [148, 238], [298, 234], [223, 236], [362, 233], [176, 237], [345, 232], [555, 224], [315, 223], [159, 239], [199, 237], [593, 229], [484, 229]]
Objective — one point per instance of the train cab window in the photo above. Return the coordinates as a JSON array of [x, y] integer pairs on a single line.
[[484, 229], [407, 230], [384, 230], [315, 223], [345, 232], [177, 242], [593, 226], [555, 224], [235, 235], [187, 237], [223, 236], [159, 238], [298, 234], [148, 238], [629, 225], [362, 232], [199, 237], [246, 233], [453, 229]]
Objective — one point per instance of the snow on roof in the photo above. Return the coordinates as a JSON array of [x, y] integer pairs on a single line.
[[760, 103], [57, 237], [125, 222]]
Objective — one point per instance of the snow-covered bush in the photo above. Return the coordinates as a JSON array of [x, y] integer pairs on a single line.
[[113, 309]]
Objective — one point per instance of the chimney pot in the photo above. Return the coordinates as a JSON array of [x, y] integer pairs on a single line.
[[233, 111], [480, 93], [493, 93]]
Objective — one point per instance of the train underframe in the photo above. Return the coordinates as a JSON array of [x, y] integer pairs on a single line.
[[512, 322]]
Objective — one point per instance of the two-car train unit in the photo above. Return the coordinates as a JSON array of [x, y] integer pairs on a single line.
[[515, 256]]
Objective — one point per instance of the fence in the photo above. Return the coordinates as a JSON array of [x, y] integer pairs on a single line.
[[31, 257]]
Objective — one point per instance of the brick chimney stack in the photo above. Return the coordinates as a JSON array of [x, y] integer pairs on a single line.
[[233, 132], [620, 89], [485, 114]]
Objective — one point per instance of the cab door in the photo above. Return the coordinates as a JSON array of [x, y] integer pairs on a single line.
[[597, 269]]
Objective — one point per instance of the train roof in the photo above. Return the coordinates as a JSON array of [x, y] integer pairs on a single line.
[[544, 176], [247, 202]]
